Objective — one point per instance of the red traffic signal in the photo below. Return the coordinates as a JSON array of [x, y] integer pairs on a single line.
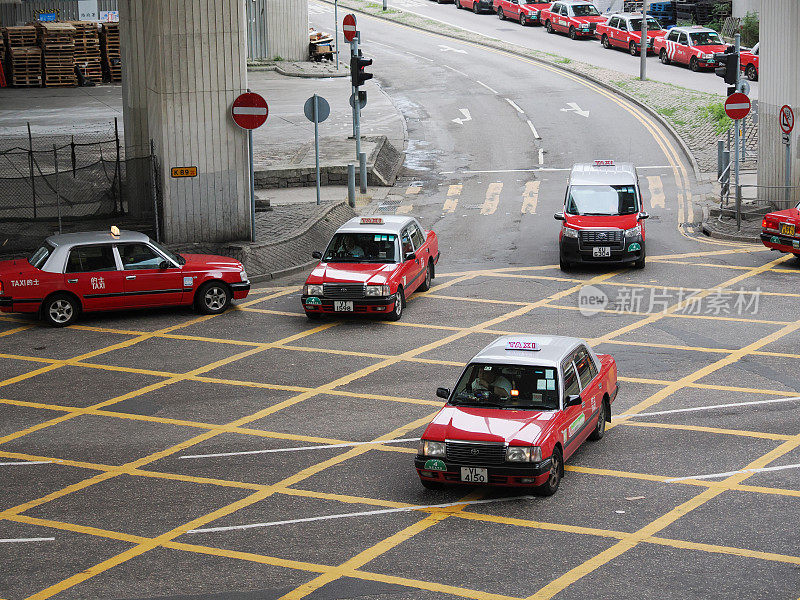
[[357, 74], [728, 68]]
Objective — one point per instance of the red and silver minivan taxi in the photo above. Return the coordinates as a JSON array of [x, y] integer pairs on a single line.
[[522, 406], [372, 265], [603, 219]]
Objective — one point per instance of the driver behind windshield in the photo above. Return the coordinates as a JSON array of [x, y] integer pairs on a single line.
[[362, 247], [518, 387]]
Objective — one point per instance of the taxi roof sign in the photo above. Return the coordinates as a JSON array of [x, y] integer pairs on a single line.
[[522, 345], [371, 220], [604, 163], [115, 231]]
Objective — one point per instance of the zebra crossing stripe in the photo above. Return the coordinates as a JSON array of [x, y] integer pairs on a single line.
[[492, 200], [453, 192], [530, 197]]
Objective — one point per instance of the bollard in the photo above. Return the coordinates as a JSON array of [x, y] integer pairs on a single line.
[[362, 167], [351, 185], [720, 158]]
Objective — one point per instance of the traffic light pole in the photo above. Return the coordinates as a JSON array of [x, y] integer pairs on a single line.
[[362, 167], [736, 124]]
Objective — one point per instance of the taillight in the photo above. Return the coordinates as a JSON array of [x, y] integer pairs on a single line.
[[768, 224], [1, 287]]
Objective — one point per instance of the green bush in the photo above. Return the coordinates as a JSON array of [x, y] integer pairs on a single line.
[[716, 113], [749, 29]]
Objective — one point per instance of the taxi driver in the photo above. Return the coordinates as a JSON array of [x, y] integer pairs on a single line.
[[350, 247], [491, 380]]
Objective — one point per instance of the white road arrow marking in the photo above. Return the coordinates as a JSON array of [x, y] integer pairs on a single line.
[[576, 109], [465, 118], [444, 48]]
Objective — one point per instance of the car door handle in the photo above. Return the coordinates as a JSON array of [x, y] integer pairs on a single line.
[[72, 281], [130, 277]]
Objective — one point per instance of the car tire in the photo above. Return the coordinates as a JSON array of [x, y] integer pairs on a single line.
[[600, 428], [694, 64], [573, 33], [632, 49], [550, 487], [60, 310], [564, 265], [313, 316], [431, 485], [457, 4], [426, 284], [549, 26], [751, 73], [523, 20], [605, 42], [475, 7], [639, 264], [213, 298], [500, 14], [399, 305], [663, 57]]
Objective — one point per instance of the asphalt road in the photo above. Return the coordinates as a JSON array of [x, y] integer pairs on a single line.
[[164, 455]]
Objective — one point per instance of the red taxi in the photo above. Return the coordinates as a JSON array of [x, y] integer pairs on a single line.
[[372, 265], [522, 406], [85, 272], [748, 60], [575, 17], [603, 219], [780, 230], [694, 46], [624, 30], [524, 11], [476, 6]]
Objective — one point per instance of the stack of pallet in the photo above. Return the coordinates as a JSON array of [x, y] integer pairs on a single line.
[[58, 47], [112, 60], [87, 49], [24, 57]]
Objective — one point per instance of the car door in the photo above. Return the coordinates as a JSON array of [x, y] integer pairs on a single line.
[[563, 20], [682, 49], [410, 272], [591, 387], [622, 34], [150, 279], [613, 24], [421, 248], [92, 273], [515, 9], [574, 417]]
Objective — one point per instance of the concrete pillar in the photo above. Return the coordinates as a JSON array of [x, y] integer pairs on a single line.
[[278, 28], [779, 84], [740, 8]]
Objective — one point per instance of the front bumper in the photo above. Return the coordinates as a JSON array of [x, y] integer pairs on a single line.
[[240, 289], [381, 305], [503, 475], [780, 242], [574, 252]]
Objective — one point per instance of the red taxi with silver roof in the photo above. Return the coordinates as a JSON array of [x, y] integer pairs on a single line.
[[522, 406], [695, 46], [780, 230], [624, 30], [574, 17], [371, 265], [525, 11], [110, 270], [603, 218]]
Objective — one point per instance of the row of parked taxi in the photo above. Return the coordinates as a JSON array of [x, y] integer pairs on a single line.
[[695, 46]]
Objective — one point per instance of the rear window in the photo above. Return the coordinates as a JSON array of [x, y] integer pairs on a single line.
[[38, 258]]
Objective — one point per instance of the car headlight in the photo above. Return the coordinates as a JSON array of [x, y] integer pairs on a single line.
[[633, 231], [570, 232], [523, 454], [377, 290], [429, 448], [243, 275], [535, 13], [312, 290]]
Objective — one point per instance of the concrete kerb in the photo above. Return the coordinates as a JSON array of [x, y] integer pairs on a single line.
[[489, 43]]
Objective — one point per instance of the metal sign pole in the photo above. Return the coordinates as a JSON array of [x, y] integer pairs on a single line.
[[252, 188], [788, 177], [736, 123], [643, 43], [58, 190], [316, 138], [336, 26]]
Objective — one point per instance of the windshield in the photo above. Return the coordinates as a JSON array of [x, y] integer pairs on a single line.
[[507, 386], [177, 258], [584, 10], [362, 247], [38, 258], [652, 25], [705, 38], [602, 200]]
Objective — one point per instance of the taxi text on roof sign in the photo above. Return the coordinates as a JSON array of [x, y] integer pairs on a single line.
[[604, 163], [522, 345], [372, 220]]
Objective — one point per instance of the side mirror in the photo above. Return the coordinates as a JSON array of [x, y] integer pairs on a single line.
[[559, 216], [644, 215], [163, 265], [410, 256], [574, 400], [316, 254], [443, 393]]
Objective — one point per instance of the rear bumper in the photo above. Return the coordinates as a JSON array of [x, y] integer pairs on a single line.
[[502, 475], [781, 242], [28, 305], [360, 305]]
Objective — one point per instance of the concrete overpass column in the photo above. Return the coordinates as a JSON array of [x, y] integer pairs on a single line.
[[779, 84]]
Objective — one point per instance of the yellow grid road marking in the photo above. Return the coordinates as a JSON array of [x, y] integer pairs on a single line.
[[492, 200], [453, 194]]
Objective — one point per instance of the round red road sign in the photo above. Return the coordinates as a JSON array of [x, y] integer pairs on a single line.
[[249, 111], [349, 27], [737, 106], [786, 118]]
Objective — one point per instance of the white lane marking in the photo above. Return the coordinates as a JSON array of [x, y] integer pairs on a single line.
[[32, 462], [380, 44], [515, 105], [249, 110], [420, 56], [444, 48], [465, 118], [457, 71], [657, 196], [729, 473], [366, 513], [576, 109], [541, 156], [487, 87], [712, 407], [297, 448], [19, 540], [533, 130], [657, 167]]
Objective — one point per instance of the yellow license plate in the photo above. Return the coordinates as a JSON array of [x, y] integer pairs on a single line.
[[787, 229]]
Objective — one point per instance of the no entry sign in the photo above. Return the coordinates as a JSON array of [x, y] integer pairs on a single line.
[[737, 106], [786, 119], [349, 27], [249, 111]]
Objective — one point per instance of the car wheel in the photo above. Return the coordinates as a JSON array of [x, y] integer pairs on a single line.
[[632, 49], [213, 298], [694, 65], [475, 8], [426, 285], [639, 264], [751, 72], [60, 310], [549, 487], [523, 20], [600, 428], [605, 42], [549, 26], [663, 56], [431, 485], [501, 14], [573, 34], [565, 265], [399, 305], [458, 4]]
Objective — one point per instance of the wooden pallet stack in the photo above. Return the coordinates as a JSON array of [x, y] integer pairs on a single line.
[[87, 49], [58, 48], [24, 57], [109, 44]]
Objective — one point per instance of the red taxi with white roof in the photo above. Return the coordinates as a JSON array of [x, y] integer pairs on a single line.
[[603, 218], [522, 406], [96, 271], [372, 265], [525, 11], [694, 46], [624, 30], [575, 17], [748, 61], [780, 230]]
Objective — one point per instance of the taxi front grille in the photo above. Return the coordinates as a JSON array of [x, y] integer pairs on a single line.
[[476, 454], [607, 237], [343, 290]]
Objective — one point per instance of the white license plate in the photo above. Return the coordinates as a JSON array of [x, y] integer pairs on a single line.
[[340, 306], [601, 252], [474, 475]]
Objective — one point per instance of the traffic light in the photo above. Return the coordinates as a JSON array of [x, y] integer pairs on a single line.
[[728, 69], [357, 73]]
